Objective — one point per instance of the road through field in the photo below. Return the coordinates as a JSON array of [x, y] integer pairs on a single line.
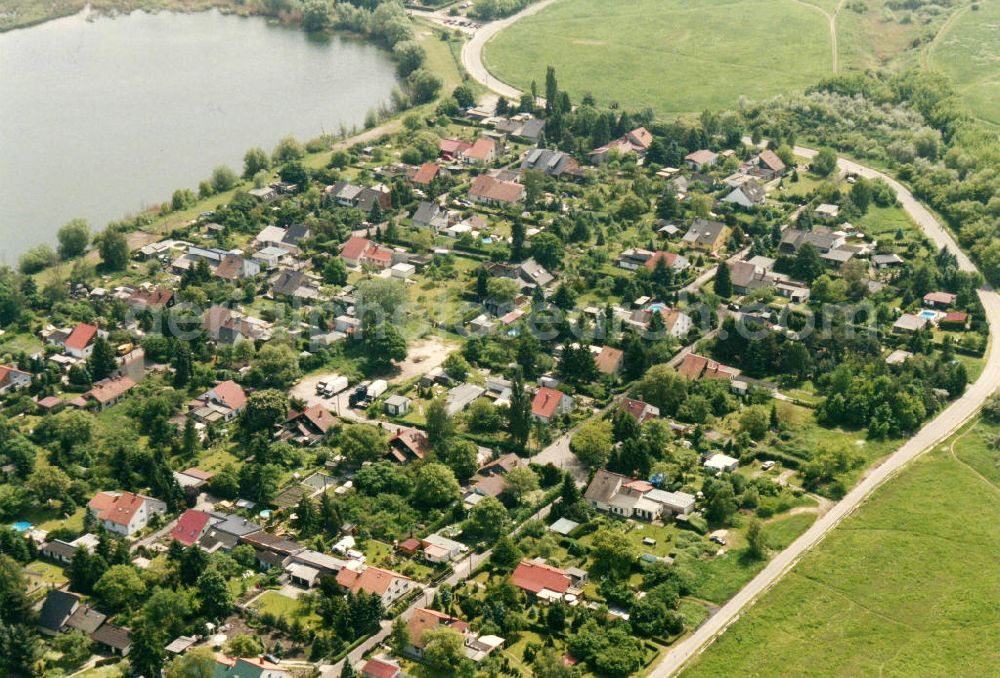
[[942, 426]]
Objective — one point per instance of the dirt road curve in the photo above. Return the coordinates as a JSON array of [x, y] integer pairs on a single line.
[[930, 435]]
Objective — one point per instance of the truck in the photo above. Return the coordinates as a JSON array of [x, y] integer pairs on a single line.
[[359, 395], [377, 388], [335, 385]]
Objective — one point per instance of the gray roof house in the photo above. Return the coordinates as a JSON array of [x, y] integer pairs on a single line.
[[553, 163], [462, 396], [430, 215], [56, 611], [749, 194], [533, 273]]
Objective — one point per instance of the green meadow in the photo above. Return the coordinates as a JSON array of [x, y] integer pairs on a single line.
[[906, 586]]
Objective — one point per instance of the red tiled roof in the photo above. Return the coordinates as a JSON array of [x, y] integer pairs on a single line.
[[371, 580], [482, 149], [771, 160], [320, 417], [410, 545], [118, 509], [692, 366], [108, 390], [379, 668], [426, 173], [190, 527], [534, 577], [231, 394], [490, 188], [454, 146], [955, 317], [668, 258], [423, 620], [5, 370], [636, 408], [355, 247], [939, 298], [80, 337], [546, 402], [641, 137], [413, 440]]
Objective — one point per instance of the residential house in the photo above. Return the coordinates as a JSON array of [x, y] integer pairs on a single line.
[[675, 323], [484, 151], [553, 163], [824, 240], [629, 498], [256, 667], [265, 194], [363, 198], [58, 550], [706, 236], [881, 261], [409, 444], [115, 640], [746, 195], [222, 403], [13, 379], [287, 239], [721, 463], [387, 585], [380, 667], [110, 391], [56, 611], [639, 410], [501, 466], [532, 274], [290, 284], [488, 190], [636, 142], [191, 526], [549, 403], [235, 267], [425, 174], [935, 300], [696, 367], [910, 323], [423, 620], [521, 126], [701, 159], [124, 513], [430, 215], [308, 427], [461, 396], [80, 341], [263, 540], [544, 581], [768, 166], [86, 620], [440, 549], [357, 252], [226, 533], [452, 149], [634, 258], [827, 211], [954, 320], [151, 298]]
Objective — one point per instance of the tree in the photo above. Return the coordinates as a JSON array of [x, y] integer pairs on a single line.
[[444, 650], [482, 416], [613, 553], [255, 160], [549, 662], [423, 85], [723, 283], [74, 647], [198, 662], [547, 250], [74, 236], [521, 482], [464, 96], [243, 645], [223, 179], [287, 150], [69, 429], [439, 424], [263, 410], [720, 500], [592, 443], [363, 442], [808, 265], [276, 366], [436, 486], [409, 56], [487, 520], [384, 344], [755, 421], [335, 271], [501, 292], [399, 638], [459, 455], [36, 259], [663, 387], [506, 553], [213, 593], [120, 588], [113, 248], [182, 364], [259, 482], [102, 363], [519, 413], [824, 163], [756, 540]]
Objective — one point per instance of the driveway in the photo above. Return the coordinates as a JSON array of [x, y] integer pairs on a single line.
[[935, 431]]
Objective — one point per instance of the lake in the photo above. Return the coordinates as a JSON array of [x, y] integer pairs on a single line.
[[104, 117]]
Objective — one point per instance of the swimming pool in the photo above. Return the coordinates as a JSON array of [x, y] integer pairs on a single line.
[[21, 526], [930, 315]]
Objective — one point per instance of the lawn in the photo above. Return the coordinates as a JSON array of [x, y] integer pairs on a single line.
[[968, 50], [41, 575], [667, 54], [905, 586], [282, 606]]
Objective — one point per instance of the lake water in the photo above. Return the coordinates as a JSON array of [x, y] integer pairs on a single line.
[[101, 118]]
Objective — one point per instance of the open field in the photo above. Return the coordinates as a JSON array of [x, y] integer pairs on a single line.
[[673, 56], [968, 51], [906, 586]]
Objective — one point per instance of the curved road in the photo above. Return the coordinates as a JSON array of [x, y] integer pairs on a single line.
[[946, 423]]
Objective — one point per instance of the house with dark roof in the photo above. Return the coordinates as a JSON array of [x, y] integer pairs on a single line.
[[226, 533], [235, 267], [768, 166], [747, 195], [294, 284], [707, 236], [58, 550], [430, 215], [553, 163], [115, 640], [363, 198], [824, 240], [56, 611], [86, 620], [250, 667]]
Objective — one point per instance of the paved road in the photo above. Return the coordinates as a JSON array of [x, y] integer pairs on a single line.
[[472, 51], [930, 435]]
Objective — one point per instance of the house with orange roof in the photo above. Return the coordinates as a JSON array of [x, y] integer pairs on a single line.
[[452, 149], [409, 444], [484, 151], [358, 251], [425, 174], [387, 585], [307, 427], [124, 513], [12, 379], [222, 403], [190, 527], [609, 360], [639, 410], [545, 581], [489, 190], [110, 391], [80, 341], [636, 142], [380, 667], [549, 403], [696, 367]]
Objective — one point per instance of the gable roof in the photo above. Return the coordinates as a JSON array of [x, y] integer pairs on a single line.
[[609, 360], [770, 160], [486, 187], [412, 440], [639, 410], [119, 509], [80, 337], [190, 527], [533, 576], [229, 393], [288, 282], [117, 637], [604, 486], [370, 580], [380, 668], [56, 609], [702, 156], [481, 149], [546, 402], [704, 231], [423, 620], [319, 417], [426, 173], [355, 247], [108, 390]]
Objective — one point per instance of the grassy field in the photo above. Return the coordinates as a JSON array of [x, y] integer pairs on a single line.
[[906, 586], [671, 55], [968, 50]]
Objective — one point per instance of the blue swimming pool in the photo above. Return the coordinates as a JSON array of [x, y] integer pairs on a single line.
[[930, 315], [21, 526]]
